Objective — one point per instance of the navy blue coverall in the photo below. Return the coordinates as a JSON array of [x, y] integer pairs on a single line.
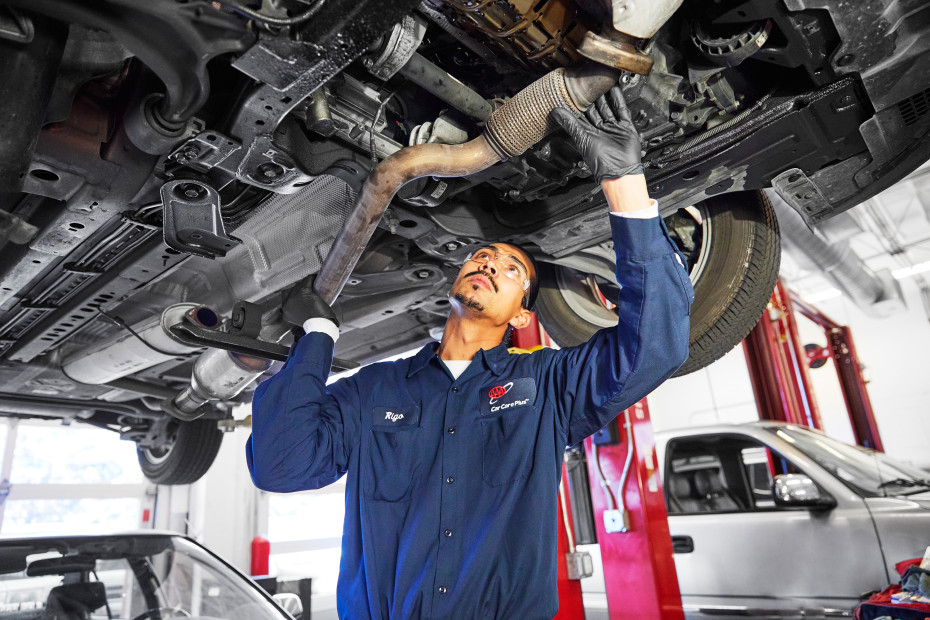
[[451, 495]]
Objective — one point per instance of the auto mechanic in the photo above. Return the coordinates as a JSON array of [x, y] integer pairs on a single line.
[[454, 455]]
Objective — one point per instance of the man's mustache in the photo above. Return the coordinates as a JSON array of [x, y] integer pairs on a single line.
[[481, 273]]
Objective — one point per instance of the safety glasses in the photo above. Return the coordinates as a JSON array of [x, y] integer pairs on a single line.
[[508, 264]]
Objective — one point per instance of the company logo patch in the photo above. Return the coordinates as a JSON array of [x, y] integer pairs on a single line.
[[387, 418], [498, 391], [508, 395]]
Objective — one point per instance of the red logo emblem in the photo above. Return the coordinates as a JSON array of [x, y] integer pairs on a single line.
[[499, 392]]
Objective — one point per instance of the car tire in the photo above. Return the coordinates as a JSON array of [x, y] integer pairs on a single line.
[[733, 249], [187, 457]]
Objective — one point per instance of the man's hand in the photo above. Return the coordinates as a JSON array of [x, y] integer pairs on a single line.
[[605, 136], [303, 302]]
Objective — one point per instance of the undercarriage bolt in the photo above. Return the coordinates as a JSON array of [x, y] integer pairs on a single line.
[[451, 246], [189, 154], [238, 318], [270, 170], [191, 191], [423, 274]]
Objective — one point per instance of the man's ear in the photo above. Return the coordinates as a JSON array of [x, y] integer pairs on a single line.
[[522, 319]]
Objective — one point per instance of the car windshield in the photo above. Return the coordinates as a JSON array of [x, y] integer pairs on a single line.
[[129, 577], [870, 474]]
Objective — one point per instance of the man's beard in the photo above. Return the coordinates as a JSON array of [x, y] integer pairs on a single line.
[[473, 303], [468, 302]]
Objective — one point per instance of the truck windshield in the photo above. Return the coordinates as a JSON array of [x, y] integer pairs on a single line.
[[870, 474]]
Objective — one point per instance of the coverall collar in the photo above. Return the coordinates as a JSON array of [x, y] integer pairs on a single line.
[[493, 359]]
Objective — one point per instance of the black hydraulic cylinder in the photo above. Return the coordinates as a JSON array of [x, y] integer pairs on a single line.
[[579, 491], [27, 77]]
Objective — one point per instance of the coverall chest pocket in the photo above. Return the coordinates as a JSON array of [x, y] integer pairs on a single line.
[[392, 460], [509, 425]]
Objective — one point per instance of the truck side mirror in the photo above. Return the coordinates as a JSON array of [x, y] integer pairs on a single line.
[[798, 490]]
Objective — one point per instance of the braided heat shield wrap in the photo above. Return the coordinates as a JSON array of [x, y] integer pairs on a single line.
[[524, 120]]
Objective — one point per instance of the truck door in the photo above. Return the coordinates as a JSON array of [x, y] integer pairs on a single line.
[[737, 553]]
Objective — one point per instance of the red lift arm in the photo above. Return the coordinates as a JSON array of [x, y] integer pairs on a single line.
[[849, 372]]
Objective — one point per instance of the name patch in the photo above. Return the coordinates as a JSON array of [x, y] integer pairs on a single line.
[[407, 416], [506, 395]]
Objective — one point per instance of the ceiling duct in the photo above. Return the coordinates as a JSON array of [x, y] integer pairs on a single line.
[[876, 293]]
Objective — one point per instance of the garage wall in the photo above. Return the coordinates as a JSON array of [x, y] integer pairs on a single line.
[[892, 349]]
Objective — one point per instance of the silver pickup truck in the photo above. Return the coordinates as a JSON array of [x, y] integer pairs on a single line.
[[775, 520]]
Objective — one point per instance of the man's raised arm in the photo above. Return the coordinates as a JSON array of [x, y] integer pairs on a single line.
[[619, 366]]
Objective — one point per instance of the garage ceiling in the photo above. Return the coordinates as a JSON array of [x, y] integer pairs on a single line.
[[890, 231]]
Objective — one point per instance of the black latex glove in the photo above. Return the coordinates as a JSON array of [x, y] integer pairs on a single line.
[[605, 136], [303, 302]]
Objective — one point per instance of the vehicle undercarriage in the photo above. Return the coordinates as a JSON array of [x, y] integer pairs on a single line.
[[170, 169]]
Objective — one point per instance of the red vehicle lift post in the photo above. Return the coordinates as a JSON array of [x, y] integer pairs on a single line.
[[778, 365], [639, 570], [849, 372], [778, 368]]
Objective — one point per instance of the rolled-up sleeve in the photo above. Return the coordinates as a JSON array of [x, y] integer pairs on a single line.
[[303, 431], [620, 365]]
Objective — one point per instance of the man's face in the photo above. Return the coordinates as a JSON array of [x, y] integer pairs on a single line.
[[494, 281]]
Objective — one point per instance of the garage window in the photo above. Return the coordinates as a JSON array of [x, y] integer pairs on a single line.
[[67, 480]]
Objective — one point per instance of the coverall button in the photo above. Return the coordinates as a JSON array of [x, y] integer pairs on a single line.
[[442, 589], [450, 480], [448, 533], [455, 389], [452, 430]]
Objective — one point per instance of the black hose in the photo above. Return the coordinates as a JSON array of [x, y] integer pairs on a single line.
[[120, 322], [713, 131], [268, 19]]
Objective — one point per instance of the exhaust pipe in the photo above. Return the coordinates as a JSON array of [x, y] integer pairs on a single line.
[[512, 129], [147, 345], [221, 375]]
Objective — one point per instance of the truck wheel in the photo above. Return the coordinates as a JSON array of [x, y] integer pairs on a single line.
[[733, 249], [185, 456]]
